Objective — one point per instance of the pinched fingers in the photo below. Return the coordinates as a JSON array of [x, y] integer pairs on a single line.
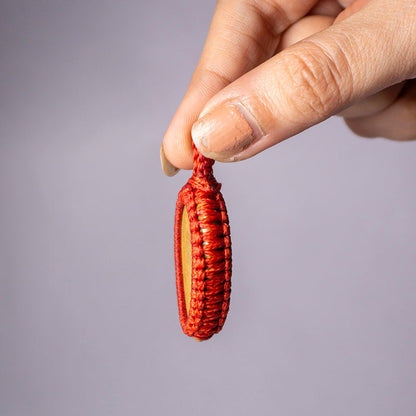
[[243, 34]]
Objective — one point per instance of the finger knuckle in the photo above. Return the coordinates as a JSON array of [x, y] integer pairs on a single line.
[[361, 128], [272, 15], [409, 107], [318, 80], [407, 129]]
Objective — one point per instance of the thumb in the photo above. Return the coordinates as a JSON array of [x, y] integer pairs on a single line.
[[310, 81]]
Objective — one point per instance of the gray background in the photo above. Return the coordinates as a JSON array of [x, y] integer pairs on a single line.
[[322, 320]]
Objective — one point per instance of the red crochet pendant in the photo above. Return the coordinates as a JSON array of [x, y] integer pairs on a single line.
[[202, 253]]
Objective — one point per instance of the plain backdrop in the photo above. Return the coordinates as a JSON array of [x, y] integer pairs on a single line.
[[323, 311]]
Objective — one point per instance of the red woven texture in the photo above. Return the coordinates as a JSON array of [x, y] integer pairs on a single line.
[[211, 252]]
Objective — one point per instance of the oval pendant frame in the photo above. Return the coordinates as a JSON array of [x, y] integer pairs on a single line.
[[204, 313]]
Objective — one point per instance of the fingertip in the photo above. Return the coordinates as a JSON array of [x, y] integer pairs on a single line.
[[177, 143], [177, 146], [167, 167]]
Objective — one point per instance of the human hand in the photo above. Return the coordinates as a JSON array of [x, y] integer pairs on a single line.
[[272, 68]]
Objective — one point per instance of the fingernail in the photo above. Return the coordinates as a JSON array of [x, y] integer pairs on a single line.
[[167, 167], [225, 132]]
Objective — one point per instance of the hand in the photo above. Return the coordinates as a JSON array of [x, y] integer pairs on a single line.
[[272, 68]]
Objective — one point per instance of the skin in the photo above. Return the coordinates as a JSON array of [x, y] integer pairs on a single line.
[[272, 68]]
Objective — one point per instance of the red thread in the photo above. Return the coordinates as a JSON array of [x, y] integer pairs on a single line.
[[211, 252]]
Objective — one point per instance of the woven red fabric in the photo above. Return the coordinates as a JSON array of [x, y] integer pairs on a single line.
[[211, 252]]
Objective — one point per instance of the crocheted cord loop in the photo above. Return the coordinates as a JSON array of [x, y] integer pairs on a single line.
[[211, 253]]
